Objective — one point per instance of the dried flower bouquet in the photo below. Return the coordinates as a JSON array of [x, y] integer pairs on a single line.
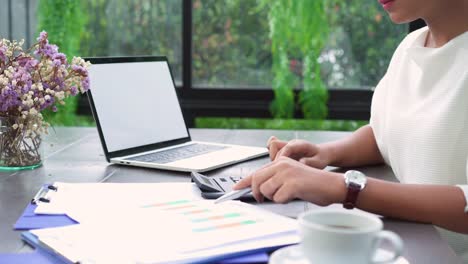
[[31, 81]]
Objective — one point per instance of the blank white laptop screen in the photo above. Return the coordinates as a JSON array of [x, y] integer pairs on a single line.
[[137, 104]]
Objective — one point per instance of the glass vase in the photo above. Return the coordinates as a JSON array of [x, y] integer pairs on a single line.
[[20, 146]]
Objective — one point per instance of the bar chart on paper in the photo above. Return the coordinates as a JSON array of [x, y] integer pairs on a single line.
[[171, 205], [218, 222]]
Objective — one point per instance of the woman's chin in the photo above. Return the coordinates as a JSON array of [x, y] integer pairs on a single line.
[[400, 19]]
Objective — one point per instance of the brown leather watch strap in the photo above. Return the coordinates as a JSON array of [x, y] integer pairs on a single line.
[[351, 196]]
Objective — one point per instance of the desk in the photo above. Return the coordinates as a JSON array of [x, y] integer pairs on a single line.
[[75, 155]]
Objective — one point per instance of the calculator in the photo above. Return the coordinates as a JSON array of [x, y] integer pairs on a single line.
[[213, 187]]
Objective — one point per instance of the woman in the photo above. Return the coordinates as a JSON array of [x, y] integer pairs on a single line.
[[418, 126]]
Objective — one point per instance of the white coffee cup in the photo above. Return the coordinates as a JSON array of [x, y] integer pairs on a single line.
[[330, 236]]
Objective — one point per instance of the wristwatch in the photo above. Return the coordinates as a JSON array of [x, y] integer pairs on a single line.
[[355, 181]]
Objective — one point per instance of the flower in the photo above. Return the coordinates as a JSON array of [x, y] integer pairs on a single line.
[[37, 79]]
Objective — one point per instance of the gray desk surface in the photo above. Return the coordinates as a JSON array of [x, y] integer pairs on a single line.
[[75, 155]]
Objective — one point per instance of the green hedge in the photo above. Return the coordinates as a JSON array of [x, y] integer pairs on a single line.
[[291, 124]]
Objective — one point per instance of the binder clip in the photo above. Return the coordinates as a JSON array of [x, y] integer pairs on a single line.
[[41, 194]]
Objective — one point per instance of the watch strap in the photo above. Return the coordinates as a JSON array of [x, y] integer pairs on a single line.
[[351, 196]]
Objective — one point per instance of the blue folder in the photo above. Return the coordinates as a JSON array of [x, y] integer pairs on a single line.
[[29, 220], [36, 257], [40, 257]]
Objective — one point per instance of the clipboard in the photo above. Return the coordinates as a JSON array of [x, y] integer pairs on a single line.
[[29, 220]]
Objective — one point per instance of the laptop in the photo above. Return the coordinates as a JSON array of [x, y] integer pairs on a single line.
[[140, 122]]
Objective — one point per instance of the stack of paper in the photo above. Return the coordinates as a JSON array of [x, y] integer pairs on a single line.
[[150, 228]]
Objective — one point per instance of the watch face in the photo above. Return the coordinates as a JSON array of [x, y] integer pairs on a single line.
[[355, 177]]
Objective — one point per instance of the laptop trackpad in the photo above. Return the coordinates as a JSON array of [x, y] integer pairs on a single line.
[[227, 155]]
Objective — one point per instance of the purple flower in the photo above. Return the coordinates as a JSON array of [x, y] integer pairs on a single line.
[[57, 63], [9, 98], [47, 103], [42, 37], [85, 84], [31, 63], [73, 90], [54, 108], [22, 60], [80, 70], [61, 57], [59, 82], [48, 50]]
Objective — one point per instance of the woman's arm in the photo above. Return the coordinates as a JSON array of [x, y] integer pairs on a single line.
[[436, 204], [359, 149]]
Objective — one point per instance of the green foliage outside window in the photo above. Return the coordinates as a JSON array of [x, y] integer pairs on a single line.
[[372, 39], [231, 45], [63, 20], [298, 31], [133, 28], [279, 123]]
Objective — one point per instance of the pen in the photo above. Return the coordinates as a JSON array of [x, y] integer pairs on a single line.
[[233, 195]]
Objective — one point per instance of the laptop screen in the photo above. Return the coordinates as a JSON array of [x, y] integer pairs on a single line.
[[136, 103]]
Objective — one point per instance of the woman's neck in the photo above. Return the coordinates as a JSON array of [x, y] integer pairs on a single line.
[[450, 22]]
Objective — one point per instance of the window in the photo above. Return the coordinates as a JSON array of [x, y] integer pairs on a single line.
[[231, 46], [360, 45], [134, 27], [220, 51], [18, 20]]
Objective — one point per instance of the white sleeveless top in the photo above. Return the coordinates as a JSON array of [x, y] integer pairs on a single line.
[[419, 116]]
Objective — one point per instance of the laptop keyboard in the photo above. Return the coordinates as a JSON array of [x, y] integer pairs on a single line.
[[178, 153]]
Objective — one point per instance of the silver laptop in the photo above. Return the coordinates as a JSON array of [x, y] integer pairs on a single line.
[[140, 122]]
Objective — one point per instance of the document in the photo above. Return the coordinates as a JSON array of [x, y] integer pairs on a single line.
[[167, 230], [73, 195]]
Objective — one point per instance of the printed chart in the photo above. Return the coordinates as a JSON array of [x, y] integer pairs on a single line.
[[205, 216]]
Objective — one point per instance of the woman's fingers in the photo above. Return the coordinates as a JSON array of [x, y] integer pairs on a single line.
[[244, 183], [285, 179], [253, 181], [284, 194], [259, 178], [271, 149], [256, 180], [272, 138], [313, 162], [269, 187], [269, 180], [274, 145], [297, 149], [247, 181]]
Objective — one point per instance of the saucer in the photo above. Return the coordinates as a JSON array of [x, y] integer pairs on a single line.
[[293, 255]]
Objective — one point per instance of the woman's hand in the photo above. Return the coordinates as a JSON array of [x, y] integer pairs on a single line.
[[303, 151], [286, 179]]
